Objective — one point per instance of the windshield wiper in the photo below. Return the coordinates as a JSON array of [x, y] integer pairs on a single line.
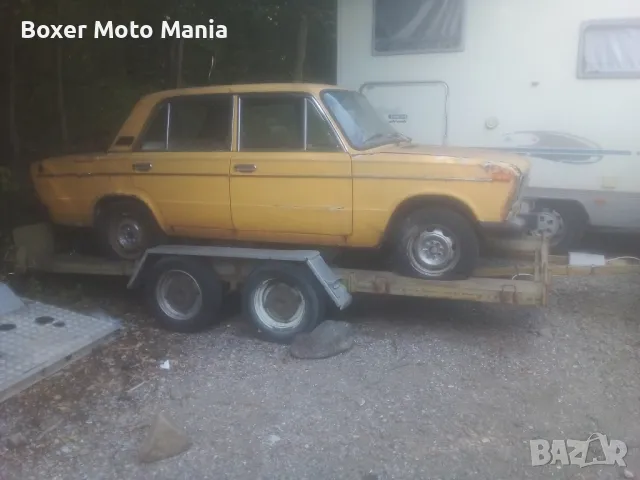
[[391, 136], [401, 136], [373, 137]]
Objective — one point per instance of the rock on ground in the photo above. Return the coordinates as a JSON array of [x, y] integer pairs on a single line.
[[165, 440], [16, 440], [328, 339]]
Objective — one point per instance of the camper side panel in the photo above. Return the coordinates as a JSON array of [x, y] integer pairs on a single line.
[[514, 83]]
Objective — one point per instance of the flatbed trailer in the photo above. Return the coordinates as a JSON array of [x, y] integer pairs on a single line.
[[286, 292]]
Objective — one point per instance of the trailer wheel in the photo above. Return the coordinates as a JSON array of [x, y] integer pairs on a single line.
[[436, 244], [183, 294], [282, 300]]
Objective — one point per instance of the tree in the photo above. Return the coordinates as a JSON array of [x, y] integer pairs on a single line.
[[74, 94], [62, 111], [301, 52]]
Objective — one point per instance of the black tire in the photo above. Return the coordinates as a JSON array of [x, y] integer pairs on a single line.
[[294, 276], [135, 216], [205, 312], [454, 227], [572, 223]]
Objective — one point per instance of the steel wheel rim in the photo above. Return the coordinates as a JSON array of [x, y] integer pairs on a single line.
[[178, 282], [549, 224], [434, 251], [128, 235], [264, 297]]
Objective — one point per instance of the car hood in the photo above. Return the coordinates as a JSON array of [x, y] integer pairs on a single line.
[[417, 152]]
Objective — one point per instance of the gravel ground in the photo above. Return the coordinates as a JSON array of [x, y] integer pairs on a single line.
[[432, 390]]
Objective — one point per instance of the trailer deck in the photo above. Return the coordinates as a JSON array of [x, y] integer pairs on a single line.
[[489, 283], [521, 273]]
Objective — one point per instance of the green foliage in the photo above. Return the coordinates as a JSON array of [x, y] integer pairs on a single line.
[[102, 78], [7, 183]]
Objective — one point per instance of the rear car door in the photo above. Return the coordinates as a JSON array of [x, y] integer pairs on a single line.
[[182, 163], [290, 174]]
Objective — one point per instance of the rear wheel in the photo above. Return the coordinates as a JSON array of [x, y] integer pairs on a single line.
[[128, 229], [183, 294], [436, 244], [282, 300]]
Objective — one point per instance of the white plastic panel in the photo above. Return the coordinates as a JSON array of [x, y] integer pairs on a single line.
[[37, 340]]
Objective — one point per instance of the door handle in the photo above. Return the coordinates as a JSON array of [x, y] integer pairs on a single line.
[[142, 167], [245, 168]]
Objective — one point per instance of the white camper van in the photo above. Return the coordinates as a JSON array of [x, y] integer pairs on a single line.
[[555, 80]]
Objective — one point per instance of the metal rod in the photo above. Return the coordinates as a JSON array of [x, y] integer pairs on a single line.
[[305, 124], [166, 146]]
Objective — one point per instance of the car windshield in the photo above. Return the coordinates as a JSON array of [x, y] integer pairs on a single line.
[[358, 120]]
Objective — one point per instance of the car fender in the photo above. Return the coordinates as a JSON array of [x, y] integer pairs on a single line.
[[140, 196]]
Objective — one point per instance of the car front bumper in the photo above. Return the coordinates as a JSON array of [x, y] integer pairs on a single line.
[[514, 226], [519, 221]]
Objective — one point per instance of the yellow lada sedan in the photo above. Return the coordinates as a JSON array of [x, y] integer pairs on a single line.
[[289, 164]]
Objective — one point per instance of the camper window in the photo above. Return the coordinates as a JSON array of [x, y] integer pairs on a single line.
[[417, 26], [610, 49]]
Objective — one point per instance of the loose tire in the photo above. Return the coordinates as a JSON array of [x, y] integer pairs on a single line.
[[436, 244], [184, 294], [128, 229], [564, 224], [282, 300]]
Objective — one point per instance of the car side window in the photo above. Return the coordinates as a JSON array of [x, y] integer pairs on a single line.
[[201, 124], [320, 135], [273, 122], [155, 136], [192, 124]]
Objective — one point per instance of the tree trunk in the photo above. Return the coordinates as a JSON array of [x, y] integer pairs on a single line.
[[179, 62], [14, 139], [171, 63], [62, 111], [298, 72]]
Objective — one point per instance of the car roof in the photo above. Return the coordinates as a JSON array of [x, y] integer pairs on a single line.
[[243, 88]]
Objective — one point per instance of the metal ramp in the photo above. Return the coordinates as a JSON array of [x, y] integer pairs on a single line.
[[37, 340]]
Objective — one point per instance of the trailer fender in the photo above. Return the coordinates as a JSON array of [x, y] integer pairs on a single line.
[[332, 284]]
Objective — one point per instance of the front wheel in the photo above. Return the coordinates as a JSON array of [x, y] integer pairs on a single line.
[[436, 244]]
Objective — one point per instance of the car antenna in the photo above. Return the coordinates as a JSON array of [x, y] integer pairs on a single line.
[[213, 63]]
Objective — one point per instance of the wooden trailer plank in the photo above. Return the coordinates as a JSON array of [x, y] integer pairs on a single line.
[[487, 290], [522, 269]]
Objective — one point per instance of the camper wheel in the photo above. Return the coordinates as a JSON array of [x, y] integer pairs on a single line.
[[562, 222]]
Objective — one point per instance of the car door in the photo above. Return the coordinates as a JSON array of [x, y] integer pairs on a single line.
[[182, 164], [290, 175]]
